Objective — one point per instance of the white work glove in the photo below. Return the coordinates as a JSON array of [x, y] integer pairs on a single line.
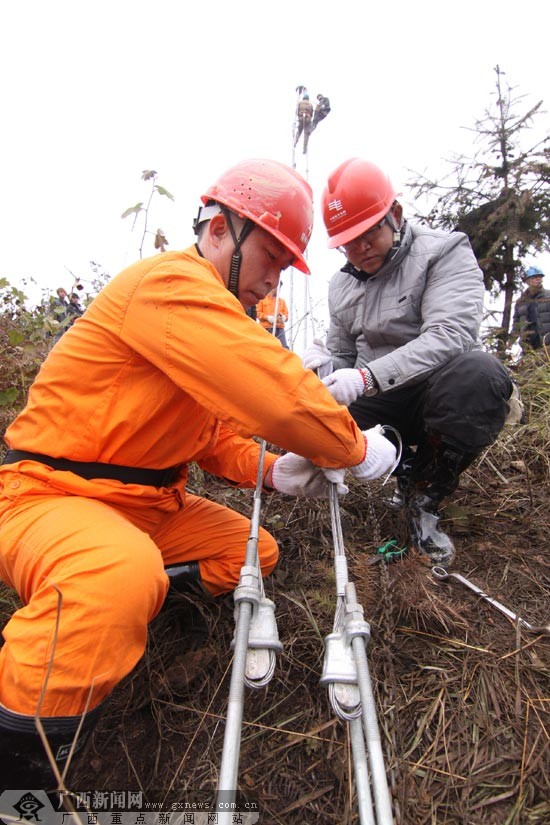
[[345, 385], [380, 458], [297, 476], [270, 318], [316, 356]]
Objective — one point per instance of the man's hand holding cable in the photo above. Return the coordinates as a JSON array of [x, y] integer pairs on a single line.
[[347, 385], [316, 356], [297, 476], [380, 457]]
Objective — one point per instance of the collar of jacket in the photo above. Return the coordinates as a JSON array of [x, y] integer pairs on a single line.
[[540, 292], [390, 265]]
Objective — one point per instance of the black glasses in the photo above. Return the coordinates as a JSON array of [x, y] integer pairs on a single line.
[[366, 237]]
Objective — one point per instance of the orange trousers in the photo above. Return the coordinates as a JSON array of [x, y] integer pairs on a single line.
[[107, 562]]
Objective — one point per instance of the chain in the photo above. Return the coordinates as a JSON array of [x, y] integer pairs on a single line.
[[387, 638]]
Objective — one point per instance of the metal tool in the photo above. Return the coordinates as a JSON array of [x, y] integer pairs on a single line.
[[441, 574], [347, 677], [255, 644]]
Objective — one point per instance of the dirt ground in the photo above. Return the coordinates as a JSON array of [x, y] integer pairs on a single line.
[[462, 693]]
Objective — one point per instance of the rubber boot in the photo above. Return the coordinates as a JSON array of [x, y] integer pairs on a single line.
[[425, 533], [435, 475], [25, 763], [402, 475], [182, 575]]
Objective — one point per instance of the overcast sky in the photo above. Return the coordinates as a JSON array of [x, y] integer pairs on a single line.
[[94, 93]]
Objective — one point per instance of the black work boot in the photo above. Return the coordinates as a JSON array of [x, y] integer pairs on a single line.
[[182, 575], [25, 763], [435, 475]]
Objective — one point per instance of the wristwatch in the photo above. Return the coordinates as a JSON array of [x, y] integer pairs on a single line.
[[370, 382]]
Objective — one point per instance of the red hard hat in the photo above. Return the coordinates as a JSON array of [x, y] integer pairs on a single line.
[[357, 196], [274, 197]]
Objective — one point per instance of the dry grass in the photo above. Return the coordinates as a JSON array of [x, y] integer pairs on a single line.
[[463, 695]]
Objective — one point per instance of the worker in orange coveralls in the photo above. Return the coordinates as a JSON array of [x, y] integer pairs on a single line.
[[265, 313], [163, 369]]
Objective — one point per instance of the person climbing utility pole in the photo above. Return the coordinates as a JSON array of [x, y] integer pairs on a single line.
[[163, 369], [304, 114], [322, 109]]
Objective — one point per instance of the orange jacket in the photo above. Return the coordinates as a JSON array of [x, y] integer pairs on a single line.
[[165, 368], [266, 308]]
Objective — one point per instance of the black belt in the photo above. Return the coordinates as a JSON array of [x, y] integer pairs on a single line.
[[91, 469]]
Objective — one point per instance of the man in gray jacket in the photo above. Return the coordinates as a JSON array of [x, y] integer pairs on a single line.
[[403, 345]]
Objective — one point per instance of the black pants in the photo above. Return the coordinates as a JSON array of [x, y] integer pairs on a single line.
[[465, 402]]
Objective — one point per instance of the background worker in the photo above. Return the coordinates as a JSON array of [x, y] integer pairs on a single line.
[[265, 312], [164, 368], [74, 305], [403, 343], [322, 109], [532, 311], [61, 307], [62, 299], [66, 310], [304, 114]]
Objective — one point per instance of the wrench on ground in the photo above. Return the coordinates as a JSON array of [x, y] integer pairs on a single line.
[[441, 574]]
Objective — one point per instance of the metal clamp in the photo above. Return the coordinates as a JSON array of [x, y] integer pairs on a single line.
[[263, 631], [339, 664], [340, 676], [263, 644]]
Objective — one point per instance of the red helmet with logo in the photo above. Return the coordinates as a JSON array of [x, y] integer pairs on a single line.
[[357, 196], [274, 197]]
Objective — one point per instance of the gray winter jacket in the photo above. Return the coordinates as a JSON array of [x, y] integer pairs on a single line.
[[422, 308]]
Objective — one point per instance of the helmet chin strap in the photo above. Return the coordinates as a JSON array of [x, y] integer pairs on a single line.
[[236, 258], [397, 236], [397, 233]]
